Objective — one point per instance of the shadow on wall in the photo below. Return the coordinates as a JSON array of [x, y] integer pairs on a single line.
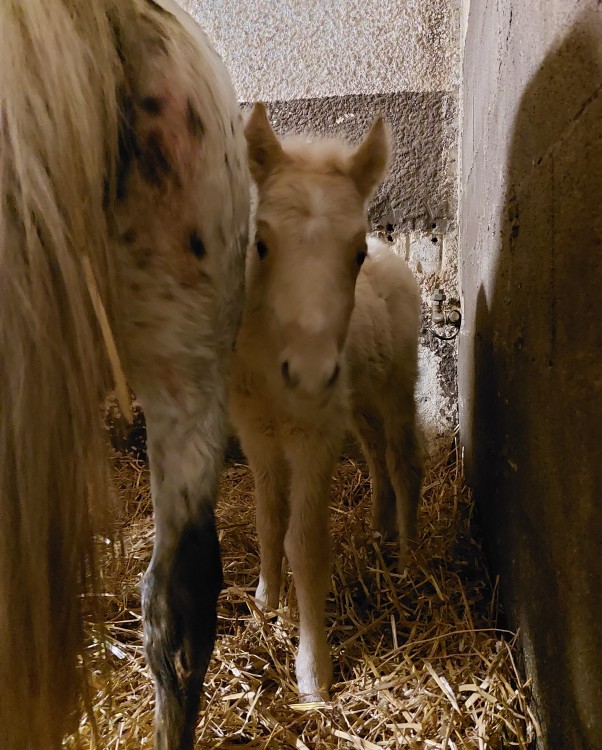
[[537, 450]]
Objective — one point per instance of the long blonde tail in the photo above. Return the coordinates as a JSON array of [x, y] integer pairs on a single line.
[[59, 78]]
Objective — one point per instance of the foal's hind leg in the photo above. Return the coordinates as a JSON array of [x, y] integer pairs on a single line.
[[370, 431], [404, 461]]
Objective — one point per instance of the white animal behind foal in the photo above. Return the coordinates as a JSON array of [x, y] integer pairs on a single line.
[[323, 347]]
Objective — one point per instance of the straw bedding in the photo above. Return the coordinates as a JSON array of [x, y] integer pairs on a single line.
[[419, 660]]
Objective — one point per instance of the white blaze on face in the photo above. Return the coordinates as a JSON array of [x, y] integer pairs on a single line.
[[313, 297], [315, 227], [314, 322]]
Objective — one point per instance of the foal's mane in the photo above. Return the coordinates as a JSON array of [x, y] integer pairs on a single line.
[[300, 193], [323, 156]]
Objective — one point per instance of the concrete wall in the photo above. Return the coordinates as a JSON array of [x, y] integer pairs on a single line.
[[530, 377], [328, 67]]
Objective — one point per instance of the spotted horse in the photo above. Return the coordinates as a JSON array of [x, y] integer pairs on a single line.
[[123, 227]]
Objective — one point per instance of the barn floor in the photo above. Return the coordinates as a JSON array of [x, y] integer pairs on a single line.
[[420, 661]]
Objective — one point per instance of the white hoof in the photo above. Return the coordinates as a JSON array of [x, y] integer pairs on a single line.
[[266, 596], [314, 674]]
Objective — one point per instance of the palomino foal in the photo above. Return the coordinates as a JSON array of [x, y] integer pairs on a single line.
[[328, 341]]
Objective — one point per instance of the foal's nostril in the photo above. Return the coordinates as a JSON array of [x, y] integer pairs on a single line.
[[334, 377]]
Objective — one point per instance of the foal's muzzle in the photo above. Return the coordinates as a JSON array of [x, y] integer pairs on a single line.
[[295, 380]]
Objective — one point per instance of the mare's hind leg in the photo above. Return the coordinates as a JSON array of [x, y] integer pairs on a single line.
[[270, 473], [370, 431], [181, 217], [405, 464], [182, 583]]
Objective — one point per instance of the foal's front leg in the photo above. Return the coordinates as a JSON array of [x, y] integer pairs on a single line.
[[307, 545], [270, 474], [182, 583]]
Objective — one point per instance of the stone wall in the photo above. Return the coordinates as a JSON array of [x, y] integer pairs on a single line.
[[530, 371]]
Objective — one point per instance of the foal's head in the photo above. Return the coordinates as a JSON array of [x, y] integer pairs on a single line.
[[310, 245]]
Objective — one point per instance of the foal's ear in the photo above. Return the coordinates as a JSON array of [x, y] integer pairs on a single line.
[[368, 164], [265, 151]]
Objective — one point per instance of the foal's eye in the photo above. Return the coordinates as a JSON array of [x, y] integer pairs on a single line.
[[262, 249], [360, 257]]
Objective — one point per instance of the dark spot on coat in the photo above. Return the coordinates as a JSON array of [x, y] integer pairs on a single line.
[[129, 236], [193, 121], [196, 244], [127, 147], [144, 257], [152, 105], [155, 166]]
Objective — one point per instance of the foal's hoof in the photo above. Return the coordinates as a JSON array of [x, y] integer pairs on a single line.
[[386, 535], [384, 521], [402, 567], [408, 551], [265, 598], [319, 696], [314, 675]]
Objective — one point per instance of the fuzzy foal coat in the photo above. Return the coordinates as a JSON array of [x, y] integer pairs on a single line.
[[321, 349]]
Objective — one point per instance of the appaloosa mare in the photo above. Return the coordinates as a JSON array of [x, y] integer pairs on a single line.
[[123, 228]]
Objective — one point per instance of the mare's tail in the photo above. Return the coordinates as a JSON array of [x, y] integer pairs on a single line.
[[59, 77]]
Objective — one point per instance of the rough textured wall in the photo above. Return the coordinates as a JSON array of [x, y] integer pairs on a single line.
[[329, 67], [293, 49], [531, 351]]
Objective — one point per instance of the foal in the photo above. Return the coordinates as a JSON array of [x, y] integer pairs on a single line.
[[328, 341]]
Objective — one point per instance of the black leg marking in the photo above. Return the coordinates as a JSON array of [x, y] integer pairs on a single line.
[[179, 600]]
